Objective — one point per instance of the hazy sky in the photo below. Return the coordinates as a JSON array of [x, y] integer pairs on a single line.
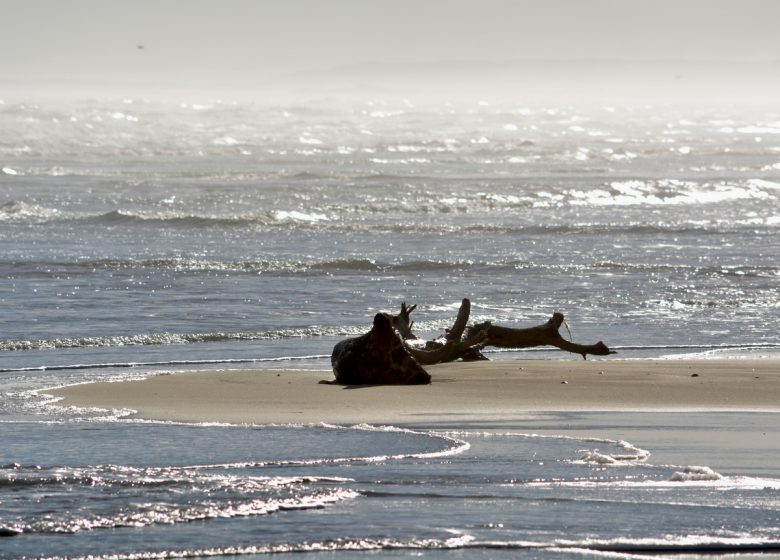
[[201, 41]]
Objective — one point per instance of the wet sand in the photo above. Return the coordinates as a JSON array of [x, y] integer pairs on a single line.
[[502, 391]]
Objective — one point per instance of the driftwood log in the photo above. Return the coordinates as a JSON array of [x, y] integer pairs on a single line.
[[454, 346], [541, 335], [383, 357], [461, 342]]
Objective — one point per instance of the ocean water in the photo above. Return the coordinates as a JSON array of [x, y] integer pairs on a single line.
[[140, 237]]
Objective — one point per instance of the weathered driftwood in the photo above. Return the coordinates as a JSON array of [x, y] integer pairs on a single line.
[[455, 346], [449, 351], [465, 343], [403, 323], [541, 335], [382, 357], [378, 357]]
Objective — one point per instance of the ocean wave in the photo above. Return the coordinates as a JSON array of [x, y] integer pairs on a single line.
[[374, 219], [766, 300], [106, 494], [621, 548], [496, 214], [280, 266], [696, 474], [700, 351], [19, 211], [333, 209], [369, 265], [181, 497], [172, 218], [176, 338]]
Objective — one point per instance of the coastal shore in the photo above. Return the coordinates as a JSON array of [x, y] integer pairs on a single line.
[[460, 392]]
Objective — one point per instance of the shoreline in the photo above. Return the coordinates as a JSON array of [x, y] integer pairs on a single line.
[[502, 391]]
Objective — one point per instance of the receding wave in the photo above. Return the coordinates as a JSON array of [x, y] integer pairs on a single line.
[[335, 221], [460, 541], [175, 338], [209, 496]]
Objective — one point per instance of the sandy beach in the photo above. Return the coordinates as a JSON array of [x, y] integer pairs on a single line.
[[465, 392], [662, 442]]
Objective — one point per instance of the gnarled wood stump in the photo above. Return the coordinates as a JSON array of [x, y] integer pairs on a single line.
[[378, 357]]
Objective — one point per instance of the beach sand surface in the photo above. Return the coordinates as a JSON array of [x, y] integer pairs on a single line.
[[496, 391]]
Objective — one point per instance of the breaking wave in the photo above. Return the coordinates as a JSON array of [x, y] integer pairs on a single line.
[[213, 496], [19, 211], [622, 548], [369, 265], [175, 338]]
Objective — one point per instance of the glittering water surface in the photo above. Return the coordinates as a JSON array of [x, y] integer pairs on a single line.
[[131, 490], [141, 237], [192, 227]]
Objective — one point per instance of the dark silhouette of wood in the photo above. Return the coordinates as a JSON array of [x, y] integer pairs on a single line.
[[464, 343], [382, 357], [449, 351], [403, 323], [541, 335], [378, 357], [456, 332], [454, 347]]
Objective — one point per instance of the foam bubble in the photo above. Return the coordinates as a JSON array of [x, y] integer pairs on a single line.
[[759, 129]]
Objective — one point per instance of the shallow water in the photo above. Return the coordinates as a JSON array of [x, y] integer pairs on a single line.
[[140, 231], [140, 490], [139, 238]]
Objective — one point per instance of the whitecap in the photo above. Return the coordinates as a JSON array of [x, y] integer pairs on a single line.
[[632, 456], [294, 215], [21, 211], [764, 184], [384, 114], [225, 141], [444, 307], [696, 474], [502, 199], [597, 458], [124, 117], [759, 130]]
